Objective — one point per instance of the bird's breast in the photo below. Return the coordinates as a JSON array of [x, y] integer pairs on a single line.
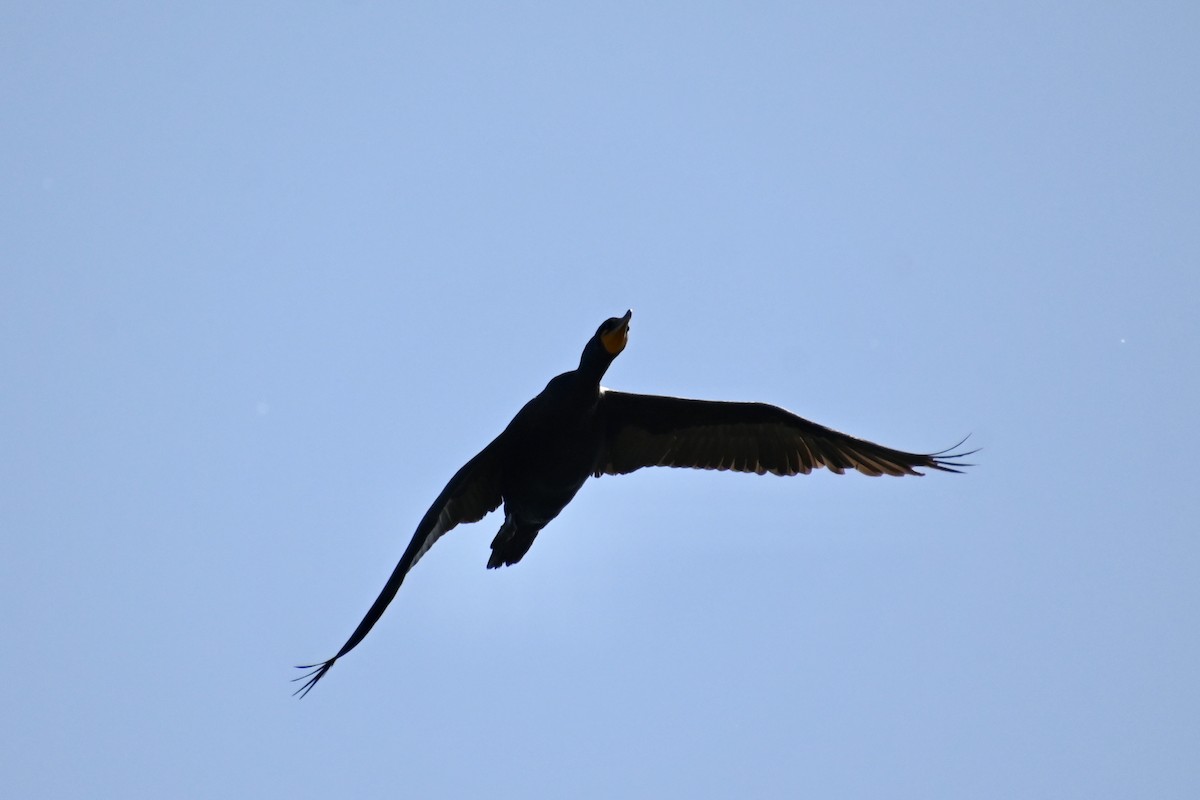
[[547, 464]]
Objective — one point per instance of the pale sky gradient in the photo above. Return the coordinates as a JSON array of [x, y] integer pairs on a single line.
[[273, 272]]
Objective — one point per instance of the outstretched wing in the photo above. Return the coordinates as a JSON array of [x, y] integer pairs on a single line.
[[651, 431], [471, 493]]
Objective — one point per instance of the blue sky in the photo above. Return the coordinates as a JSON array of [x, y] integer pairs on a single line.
[[273, 272]]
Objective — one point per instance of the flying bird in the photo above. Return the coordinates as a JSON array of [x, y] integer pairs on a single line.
[[576, 429]]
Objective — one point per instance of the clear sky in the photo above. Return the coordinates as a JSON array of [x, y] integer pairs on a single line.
[[273, 272]]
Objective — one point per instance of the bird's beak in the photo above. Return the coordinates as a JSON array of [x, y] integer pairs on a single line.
[[614, 341]]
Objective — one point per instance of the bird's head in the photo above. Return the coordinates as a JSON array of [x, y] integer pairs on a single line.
[[606, 345], [614, 333]]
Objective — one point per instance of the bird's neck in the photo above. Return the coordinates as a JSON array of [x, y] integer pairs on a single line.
[[592, 368]]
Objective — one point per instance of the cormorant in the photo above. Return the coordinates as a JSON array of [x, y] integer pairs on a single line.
[[576, 429]]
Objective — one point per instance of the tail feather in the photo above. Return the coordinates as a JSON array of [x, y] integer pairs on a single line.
[[511, 544]]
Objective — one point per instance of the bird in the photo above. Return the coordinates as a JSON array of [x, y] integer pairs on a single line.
[[576, 429]]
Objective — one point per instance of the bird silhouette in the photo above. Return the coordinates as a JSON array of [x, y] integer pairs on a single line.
[[575, 429]]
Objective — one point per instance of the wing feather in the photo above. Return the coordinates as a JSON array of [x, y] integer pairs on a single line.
[[650, 430], [468, 497]]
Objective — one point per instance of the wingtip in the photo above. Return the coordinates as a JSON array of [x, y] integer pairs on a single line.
[[310, 678], [950, 459]]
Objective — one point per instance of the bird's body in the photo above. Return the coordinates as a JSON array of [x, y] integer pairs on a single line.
[[575, 429], [546, 454]]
